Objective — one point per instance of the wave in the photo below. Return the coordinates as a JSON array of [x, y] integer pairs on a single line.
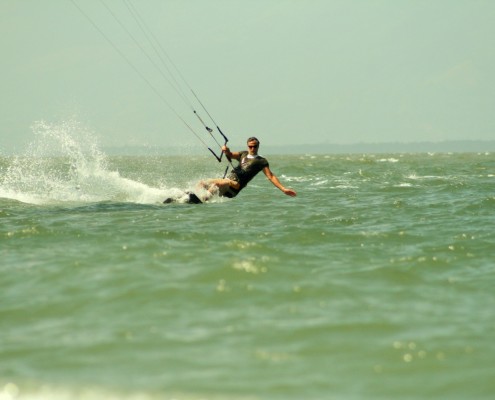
[[32, 391], [64, 164]]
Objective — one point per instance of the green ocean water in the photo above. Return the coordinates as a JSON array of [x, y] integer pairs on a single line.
[[376, 282]]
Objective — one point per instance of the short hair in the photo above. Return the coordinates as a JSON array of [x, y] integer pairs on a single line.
[[253, 139]]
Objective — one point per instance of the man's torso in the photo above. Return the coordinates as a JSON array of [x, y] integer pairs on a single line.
[[248, 168]]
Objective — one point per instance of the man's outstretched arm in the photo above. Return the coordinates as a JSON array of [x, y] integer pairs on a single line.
[[273, 179]]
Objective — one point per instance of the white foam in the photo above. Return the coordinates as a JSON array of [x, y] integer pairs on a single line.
[[64, 164]]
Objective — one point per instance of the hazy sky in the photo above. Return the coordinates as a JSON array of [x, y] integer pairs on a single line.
[[287, 71]]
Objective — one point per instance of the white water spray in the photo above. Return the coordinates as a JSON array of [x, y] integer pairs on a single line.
[[65, 164]]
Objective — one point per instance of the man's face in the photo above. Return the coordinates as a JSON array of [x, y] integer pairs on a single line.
[[253, 147]]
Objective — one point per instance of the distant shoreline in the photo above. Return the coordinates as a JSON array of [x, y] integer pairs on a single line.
[[460, 146], [451, 146]]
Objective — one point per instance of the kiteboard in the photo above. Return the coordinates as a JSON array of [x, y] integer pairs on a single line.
[[187, 198]]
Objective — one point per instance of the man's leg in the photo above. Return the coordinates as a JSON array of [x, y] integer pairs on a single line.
[[216, 186]]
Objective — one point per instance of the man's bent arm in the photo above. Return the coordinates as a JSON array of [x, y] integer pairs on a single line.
[[235, 155]]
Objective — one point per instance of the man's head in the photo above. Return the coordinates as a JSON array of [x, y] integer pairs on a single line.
[[253, 144]]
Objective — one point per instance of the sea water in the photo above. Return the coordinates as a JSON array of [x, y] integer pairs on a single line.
[[375, 282]]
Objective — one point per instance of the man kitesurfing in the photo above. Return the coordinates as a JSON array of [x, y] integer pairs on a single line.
[[250, 163]]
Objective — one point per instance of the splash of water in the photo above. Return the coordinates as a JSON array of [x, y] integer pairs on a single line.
[[64, 164]]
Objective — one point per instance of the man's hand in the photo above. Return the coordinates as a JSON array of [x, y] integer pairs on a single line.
[[289, 192]]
